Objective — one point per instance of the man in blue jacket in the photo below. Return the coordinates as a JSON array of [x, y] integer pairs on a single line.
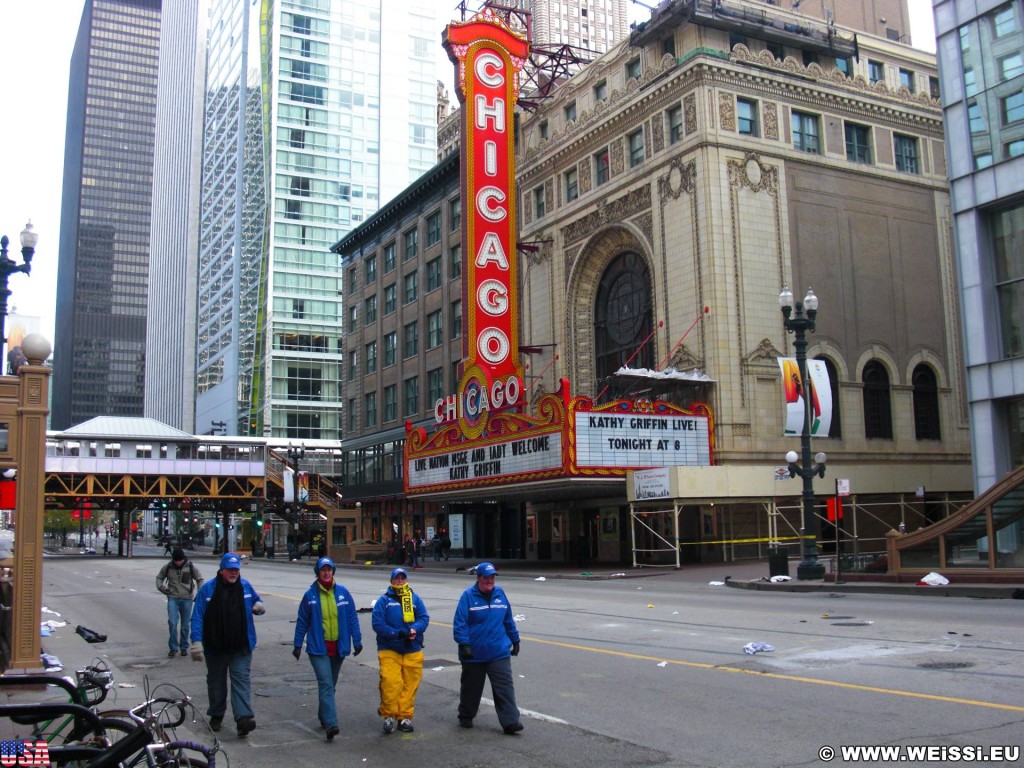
[[222, 625], [399, 618], [486, 634], [328, 621]]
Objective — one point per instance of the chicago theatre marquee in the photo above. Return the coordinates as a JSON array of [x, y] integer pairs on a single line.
[[543, 479]]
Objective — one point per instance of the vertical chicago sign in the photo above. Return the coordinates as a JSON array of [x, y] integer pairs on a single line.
[[489, 58]]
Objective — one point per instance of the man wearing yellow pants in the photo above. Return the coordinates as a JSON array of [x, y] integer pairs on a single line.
[[400, 620]]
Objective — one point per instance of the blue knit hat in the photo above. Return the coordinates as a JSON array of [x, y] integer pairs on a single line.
[[231, 561]]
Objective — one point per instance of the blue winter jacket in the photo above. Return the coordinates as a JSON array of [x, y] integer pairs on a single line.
[[388, 619], [486, 624], [310, 622], [202, 601]]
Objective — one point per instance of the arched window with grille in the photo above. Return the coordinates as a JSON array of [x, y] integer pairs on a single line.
[[622, 316], [877, 402], [926, 403], [836, 427]]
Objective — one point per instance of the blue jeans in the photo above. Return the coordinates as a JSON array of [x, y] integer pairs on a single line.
[[326, 669], [179, 610], [220, 666]]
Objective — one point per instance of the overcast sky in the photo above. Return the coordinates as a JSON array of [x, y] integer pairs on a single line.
[[37, 42]]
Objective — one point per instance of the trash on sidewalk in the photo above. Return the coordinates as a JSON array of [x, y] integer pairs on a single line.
[[780, 578], [89, 635], [933, 579], [716, 583], [52, 663], [752, 648], [540, 578]]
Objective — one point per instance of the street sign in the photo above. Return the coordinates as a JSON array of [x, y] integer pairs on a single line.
[[843, 487]]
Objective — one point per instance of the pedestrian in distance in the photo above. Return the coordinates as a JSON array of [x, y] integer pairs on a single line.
[[223, 627], [446, 545], [485, 631], [436, 545], [328, 621], [400, 620], [178, 580]]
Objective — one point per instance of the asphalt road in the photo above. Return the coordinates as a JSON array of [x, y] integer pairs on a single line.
[[629, 672]]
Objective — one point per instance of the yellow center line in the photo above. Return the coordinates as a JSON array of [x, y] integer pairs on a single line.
[[770, 675]]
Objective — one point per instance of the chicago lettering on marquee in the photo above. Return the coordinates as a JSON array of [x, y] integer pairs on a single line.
[[489, 58]]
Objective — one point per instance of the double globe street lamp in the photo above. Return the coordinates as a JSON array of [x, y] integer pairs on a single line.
[[9, 267], [798, 319]]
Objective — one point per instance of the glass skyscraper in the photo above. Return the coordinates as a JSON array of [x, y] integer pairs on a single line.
[[315, 112], [99, 354]]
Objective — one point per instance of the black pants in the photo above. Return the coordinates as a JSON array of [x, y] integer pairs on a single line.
[[472, 687]]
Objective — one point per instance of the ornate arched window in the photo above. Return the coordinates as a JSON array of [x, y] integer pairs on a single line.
[[622, 316], [877, 402], [926, 403], [836, 427]]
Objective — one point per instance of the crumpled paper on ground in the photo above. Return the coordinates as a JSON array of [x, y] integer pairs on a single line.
[[934, 579], [753, 648], [780, 578]]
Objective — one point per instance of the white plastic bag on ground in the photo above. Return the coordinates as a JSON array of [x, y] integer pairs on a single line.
[[934, 579]]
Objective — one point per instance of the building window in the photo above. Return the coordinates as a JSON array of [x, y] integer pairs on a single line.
[[410, 284], [809, 57], [906, 153], [455, 262], [877, 404], [371, 358], [390, 299], [668, 45], [975, 119], [1007, 227], [456, 319], [735, 38], [1013, 107], [601, 91], [433, 228], [858, 143], [370, 310], [435, 385], [1011, 66], [776, 50], [412, 396], [746, 117], [353, 365], [353, 318], [635, 142], [907, 79], [633, 68], [542, 130], [622, 315], [675, 125], [926, 403], [805, 132], [411, 340], [389, 258], [353, 417], [843, 65], [409, 244], [433, 274], [390, 403], [933, 88], [569, 112], [454, 214], [601, 167], [876, 71], [390, 348], [572, 187], [1004, 20], [538, 203], [352, 283], [370, 410], [1015, 148], [434, 330], [370, 270]]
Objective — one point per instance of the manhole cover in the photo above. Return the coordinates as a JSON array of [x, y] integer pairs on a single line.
[[946, 665], [280, 690]]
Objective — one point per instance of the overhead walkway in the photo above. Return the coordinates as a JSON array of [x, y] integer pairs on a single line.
[[983, 541]]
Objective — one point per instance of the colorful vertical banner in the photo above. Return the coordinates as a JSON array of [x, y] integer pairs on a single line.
[[489, 57], [819, 397], [302, 487]]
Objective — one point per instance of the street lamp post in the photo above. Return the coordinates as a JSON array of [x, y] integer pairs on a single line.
[[9, 267], [798, 320], [295, 454]]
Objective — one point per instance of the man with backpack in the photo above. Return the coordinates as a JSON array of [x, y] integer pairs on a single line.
[[179, 579]]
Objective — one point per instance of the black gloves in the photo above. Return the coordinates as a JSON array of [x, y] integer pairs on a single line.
[[515, 649], [296, 652], [403, 634], [357, 650], [465, 652]]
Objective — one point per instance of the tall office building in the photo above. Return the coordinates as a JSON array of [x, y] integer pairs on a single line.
[[594, 25], [100, 341], [981, 68], [174, 229], [314, 113]]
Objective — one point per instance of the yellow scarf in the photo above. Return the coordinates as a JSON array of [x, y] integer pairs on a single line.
[[404, 595]]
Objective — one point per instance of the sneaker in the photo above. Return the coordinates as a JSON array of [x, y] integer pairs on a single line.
[[332, 732], [389, 725], [246, 725], [405, 724], [171, 653], [513, 728], [465, 722], [215, 723]]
